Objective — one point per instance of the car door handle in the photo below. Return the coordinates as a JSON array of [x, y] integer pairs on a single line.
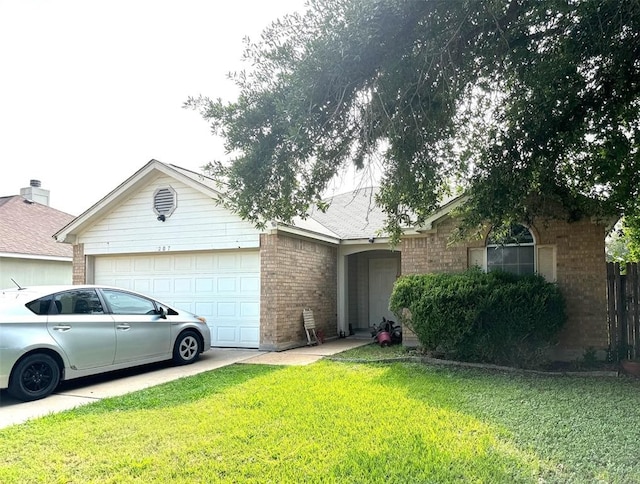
[[123, 327], [61, 328]]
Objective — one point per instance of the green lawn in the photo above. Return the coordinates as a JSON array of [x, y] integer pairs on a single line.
[[341, 422]]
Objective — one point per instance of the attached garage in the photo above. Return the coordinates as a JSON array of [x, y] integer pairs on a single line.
[[222, 286], [166, 232], [162, 233]]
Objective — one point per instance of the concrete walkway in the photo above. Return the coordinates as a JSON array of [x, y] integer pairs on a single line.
[[74, 393]]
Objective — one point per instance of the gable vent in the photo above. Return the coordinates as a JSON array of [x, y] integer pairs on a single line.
[[164, 201]]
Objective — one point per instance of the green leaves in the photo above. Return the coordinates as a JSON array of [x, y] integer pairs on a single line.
[[526, 105], [496, 317]]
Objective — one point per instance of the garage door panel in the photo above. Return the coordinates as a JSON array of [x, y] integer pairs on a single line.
[[226, 284], [225, 334], [248, 334], [183, 263], [204, 308], [205, 263], [249, 309], [222, 287], [229, 262], [183, 285], [158, 285], [146, 285], [161, 263], [250, 285], [122, 265], [123, 283], [140, 264], [226, 309], [249, 260], [204, 285]]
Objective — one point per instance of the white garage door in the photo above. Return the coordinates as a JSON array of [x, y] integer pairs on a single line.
[[224, 287]]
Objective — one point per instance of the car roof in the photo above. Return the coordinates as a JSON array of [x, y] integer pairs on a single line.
[[37, 291], [45, 289]]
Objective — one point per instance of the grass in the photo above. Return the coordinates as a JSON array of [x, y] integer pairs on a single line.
[[340, 422], [375, 352]]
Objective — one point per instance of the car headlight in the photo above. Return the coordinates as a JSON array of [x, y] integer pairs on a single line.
[[202, 319]]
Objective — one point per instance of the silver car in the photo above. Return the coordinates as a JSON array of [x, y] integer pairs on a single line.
[[54, 333]]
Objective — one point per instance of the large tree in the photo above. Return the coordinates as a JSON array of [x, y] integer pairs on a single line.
[[521, 104]]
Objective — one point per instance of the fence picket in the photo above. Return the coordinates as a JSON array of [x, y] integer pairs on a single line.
[[634, 316], [623, 308]]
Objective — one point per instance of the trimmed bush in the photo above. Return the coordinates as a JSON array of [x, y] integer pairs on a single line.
[[495, 317]]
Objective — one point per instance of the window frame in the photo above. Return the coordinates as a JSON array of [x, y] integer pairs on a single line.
[[509, 242]]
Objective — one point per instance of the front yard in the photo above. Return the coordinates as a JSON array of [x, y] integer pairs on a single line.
[[338, 421]]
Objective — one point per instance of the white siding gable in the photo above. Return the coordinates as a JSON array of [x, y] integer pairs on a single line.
[[197, 223]]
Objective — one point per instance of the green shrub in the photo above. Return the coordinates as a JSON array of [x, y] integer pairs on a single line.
[[496, 317]]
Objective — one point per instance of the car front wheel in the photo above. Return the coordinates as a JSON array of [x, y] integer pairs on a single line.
[[34, 377], [187, 348]]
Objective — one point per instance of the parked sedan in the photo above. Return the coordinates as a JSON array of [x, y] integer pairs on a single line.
[[54, 333]]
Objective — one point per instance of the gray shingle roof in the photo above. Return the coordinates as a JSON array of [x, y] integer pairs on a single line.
[[199, 177], [352, 215], [27, 227]]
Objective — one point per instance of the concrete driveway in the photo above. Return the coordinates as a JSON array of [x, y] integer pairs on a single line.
[[82, 391]]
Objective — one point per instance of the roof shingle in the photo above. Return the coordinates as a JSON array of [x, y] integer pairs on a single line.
[[27, 227], [352, 215]]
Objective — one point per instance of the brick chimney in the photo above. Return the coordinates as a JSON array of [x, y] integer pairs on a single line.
[[35, 193]]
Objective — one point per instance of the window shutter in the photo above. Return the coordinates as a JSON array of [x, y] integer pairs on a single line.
[[477, 257], [546, 262]]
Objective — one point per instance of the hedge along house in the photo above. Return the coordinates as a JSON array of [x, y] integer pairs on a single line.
[[571, 254], [163, 232]]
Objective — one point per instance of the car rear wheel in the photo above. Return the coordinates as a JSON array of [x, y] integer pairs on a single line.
[[35, 377], [187, 348]]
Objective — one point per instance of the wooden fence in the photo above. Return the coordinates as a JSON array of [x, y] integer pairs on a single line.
[[624, 310]]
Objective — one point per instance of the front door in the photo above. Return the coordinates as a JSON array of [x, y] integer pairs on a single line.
[[382, 276]]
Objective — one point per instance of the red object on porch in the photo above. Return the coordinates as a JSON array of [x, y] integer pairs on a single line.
[[384, 338]]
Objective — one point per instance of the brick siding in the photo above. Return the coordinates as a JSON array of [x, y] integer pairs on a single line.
[[296, 274], [580, 268], [79, 265], [582, 277]]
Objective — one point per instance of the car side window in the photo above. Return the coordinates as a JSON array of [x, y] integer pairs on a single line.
[[82, 301], [126, 303], [40, 306]]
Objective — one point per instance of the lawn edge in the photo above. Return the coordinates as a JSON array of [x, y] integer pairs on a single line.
[[484, 366]]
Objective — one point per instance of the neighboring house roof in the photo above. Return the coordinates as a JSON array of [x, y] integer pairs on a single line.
[[27, 229]]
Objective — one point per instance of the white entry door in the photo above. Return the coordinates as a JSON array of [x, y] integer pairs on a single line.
[[382, 276], [222, 286]]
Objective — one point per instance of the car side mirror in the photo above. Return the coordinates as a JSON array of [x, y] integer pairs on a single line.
[[162, 313]]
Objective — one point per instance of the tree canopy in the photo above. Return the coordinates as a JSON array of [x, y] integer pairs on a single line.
[[521, 104], [623, 243]]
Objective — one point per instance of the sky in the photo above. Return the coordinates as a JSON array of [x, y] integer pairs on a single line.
[[91, 90]]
